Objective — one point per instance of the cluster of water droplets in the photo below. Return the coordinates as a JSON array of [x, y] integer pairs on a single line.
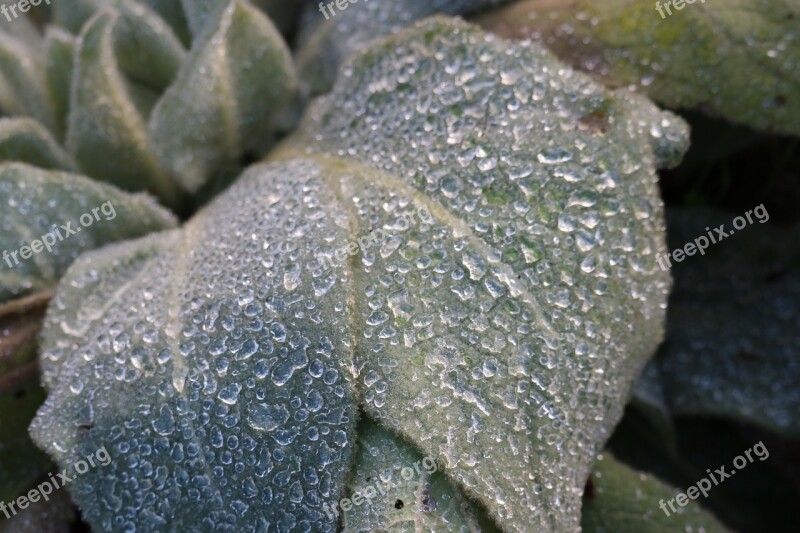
[[736, 60], [206, 363], [409, 492], [503, 335]]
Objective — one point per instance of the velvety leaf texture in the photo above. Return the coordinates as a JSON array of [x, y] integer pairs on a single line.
[[458, 243], [737, 59], [327, 38], [625, 501], [38, 203], [163, 97]]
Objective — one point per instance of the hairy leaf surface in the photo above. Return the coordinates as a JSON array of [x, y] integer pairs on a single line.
[[38, 202], [459, 242], [737, 59]]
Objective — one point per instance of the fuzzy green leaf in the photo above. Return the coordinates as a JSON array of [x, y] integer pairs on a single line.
[[37, 202], [237, 77], [251, 412], [737, 59], [498, 324], [622, 500], [22, 80], [328, 38], [400, 491], [59, 50], [524, 182], [107, 132], [26, 141]]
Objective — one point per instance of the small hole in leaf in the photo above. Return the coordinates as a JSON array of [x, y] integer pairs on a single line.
[[398, 504]]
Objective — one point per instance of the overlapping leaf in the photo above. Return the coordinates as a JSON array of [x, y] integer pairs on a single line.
[[732, 339], [622, 500], [496, 321], [737, 59], [164, 97], [37, 203]]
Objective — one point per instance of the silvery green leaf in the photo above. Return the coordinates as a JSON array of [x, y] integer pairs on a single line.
[[328, 38], [139, 110], [26, 141], [73, 15], [107, 133], [460, 242], [236, 78], [737, 59], [21, 28], [22, 81], [229, 366], [732, 339], [522, 163], [59, 49], [146, 48], [622, 500], [37, 202]]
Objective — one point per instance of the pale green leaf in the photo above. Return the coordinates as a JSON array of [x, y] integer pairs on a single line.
[[22, 81], [59, 49], [535, 250], [229, 366], [497, 325], [330, 35], [237, 77], [107, 133], [737, 59], [146, 48], [24, 140], [37, 202], [622, 500], [73, 14], [21, 27]]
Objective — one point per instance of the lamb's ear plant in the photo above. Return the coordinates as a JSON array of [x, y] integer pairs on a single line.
[[168, 97], [452, 259]]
